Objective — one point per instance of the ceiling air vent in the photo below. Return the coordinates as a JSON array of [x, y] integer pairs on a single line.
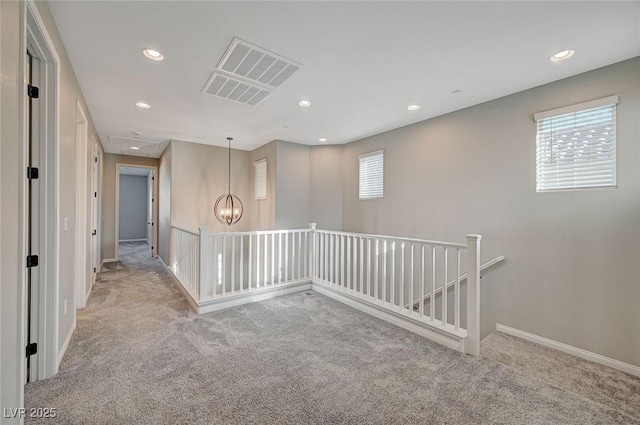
[[256, 64], [248, 73], [127, 142], [234, 89]]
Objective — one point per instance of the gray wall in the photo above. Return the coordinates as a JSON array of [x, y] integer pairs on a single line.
[[325, 185], [164, 205], [292, 183], [133, 207], [262, 213], [11, 295], [199, 177], [572, 257]]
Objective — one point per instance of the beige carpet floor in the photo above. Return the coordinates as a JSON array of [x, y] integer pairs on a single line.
[[141, 356]]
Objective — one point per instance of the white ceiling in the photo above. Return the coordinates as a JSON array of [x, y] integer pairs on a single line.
[[364, 62]]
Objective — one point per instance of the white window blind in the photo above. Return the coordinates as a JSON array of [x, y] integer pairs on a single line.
[[260, 168], [372, 175], [576, 146]]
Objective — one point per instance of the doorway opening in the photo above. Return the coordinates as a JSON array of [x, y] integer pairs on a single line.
[[136, 206]]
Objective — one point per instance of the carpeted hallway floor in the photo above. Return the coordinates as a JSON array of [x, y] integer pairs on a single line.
[[141, 356]]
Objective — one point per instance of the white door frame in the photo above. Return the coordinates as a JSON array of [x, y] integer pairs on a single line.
[[95, 212], [154, 241], [82, 276], [49, 256]]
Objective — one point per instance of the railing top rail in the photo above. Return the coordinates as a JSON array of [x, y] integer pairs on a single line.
[[184, 230], [259, 232], [396, 238]]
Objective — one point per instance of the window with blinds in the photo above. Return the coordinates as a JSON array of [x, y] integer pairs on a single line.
[[576, 146], [260, 172], [372, 175]]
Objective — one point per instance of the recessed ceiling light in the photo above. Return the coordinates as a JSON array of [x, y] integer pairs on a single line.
[[143, 105], [135, 148], [560, 56], [153, 54], [456, 92], [304, 103], [322, 140], [413, 107]]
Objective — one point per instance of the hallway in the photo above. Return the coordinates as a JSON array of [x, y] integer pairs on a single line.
[[140, 355]]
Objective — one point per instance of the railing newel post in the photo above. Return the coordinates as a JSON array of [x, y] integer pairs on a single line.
[[472, 344], [312, 252], [202, 261]]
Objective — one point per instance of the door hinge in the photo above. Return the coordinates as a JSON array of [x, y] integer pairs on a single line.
[[32, 261], [94, 269], [33, 173], [33, 92], [95, 194], [95, 232], [32, 349], [95, 159]]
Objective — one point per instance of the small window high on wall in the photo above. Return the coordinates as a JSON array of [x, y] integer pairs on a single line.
[[260, 172], [371, 175], [576, 146]]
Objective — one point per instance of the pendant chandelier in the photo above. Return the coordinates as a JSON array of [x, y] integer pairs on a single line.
[[228, 208]]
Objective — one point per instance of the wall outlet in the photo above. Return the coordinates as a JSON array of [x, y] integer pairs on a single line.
[[65, 305]]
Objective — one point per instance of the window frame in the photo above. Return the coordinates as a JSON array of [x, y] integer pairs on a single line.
[[255, 179], [362, 157], [605, 102]]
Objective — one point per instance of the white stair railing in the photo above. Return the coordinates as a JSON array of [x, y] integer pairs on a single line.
[[390, 273], [184, 259], [239, 262]]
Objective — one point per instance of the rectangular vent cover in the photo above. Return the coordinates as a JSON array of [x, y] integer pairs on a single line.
[[248, 73], [126, 143], [256, 64], [234, 89]]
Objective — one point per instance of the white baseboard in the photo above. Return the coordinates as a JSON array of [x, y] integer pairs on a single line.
[[88, 293], [134, 240], [67, 340], [252, 297], [108, 260], [574, 351], [451, 341]]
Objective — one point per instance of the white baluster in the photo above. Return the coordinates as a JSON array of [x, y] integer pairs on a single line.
[[432, 298], [444, 287], [273, 257], [412, 282], [457, 293], [250, 262], [349, 280], [384, 272], [361, 262], [393, 276], [233, 264], [422, 282]]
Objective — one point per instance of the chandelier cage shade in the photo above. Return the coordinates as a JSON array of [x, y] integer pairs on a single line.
[[228, 208]]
